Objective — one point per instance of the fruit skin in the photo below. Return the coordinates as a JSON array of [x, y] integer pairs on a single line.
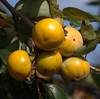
[[48, 34], [73, 40], [19, 65], [49, 63], [75, 69]]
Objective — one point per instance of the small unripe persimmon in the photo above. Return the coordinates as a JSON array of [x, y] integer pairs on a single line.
[[49, 63], [19, 65], [74, 69]]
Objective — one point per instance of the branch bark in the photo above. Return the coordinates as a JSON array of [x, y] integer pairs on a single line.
[[94, 69]]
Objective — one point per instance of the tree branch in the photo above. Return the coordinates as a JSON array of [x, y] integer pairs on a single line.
[[17, 14], [38, 88], [94, 69]]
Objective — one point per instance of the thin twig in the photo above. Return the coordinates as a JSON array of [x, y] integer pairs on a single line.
[[17, 14], [38, 89], [85, 55], [94, 69]]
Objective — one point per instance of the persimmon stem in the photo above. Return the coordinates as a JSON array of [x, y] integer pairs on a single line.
[[17, 14], [94, 69], [38, 89]]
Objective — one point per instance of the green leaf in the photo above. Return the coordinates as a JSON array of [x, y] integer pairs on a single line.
[[13, 46], [7, 82], [86, 48], [2, 32], [54, 9], [4, 55], [73, 22], [44, 9], [79, 14], [3, 68], [3, 95], [22, 46], [54, 92], [97, 34], [6, 17], [33, 8], [24, 31], [96, 77], [6, 36], [25, 91], [94, 3], [0, 62], [49, 92], [87, 32]]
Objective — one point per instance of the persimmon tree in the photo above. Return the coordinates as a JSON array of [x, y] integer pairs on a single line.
[[16, 34]]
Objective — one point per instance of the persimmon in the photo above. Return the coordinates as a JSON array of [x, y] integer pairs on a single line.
[[48, 63], [48, 34], [73, 40], [75, 69], [19, 65]]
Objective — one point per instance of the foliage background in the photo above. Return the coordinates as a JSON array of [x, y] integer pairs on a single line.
[[92, 57]]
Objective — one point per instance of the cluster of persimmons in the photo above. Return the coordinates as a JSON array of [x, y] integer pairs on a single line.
[[58, 44]]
